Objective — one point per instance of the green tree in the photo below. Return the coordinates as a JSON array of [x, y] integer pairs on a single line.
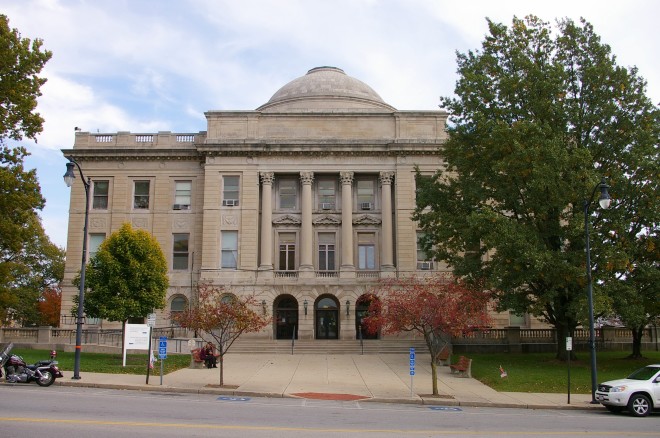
[[127, 278], [21, 62], [537, 119], [39, 267], [20, 195], [222, 316]]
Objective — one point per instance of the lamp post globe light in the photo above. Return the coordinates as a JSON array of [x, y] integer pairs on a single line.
[[604, 202], [69, 178]]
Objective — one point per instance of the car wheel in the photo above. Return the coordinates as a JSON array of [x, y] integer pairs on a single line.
[[639, 405], [614, 409]]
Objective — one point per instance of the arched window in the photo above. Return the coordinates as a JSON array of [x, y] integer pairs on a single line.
[[178, 305]]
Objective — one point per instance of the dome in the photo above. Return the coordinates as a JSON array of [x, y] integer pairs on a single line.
[[322, 89]]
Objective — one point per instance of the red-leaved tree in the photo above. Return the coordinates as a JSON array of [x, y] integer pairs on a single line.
[[437, 307], [222, 316], [49, 306]]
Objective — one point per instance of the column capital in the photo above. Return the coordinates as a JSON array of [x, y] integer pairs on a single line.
[[306, 177], [346, 177], [267, 177], [386, 177]]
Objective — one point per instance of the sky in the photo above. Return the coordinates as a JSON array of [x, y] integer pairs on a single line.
[[157, 65]]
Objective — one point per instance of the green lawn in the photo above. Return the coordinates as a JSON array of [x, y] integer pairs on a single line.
[[108, 363], [540, 372]]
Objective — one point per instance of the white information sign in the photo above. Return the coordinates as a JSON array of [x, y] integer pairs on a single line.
[[136, 337], [569, 343]]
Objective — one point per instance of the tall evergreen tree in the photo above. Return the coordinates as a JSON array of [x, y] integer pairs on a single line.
[[540, 115]]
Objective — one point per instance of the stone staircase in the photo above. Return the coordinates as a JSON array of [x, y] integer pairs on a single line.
[[318, 346]]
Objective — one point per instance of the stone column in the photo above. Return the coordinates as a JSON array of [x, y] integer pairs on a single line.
[[266, 221], [347, 265], [306, 238], [386, 255]]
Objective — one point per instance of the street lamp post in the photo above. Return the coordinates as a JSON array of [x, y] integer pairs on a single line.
[[69, 177], [604, 201]]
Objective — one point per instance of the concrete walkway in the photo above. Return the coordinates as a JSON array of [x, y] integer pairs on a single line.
[[379, 378]]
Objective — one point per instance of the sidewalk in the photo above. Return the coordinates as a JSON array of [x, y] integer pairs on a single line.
[[377, 378]]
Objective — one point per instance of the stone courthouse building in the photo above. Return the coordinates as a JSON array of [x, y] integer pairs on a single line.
[[304, 202]]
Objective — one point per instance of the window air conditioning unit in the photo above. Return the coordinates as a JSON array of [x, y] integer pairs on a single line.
[[230, 202], [366, 206], [425, 266], [327, 206], [181, 207]]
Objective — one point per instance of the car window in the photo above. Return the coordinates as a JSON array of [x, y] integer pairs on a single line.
[[644, 373]]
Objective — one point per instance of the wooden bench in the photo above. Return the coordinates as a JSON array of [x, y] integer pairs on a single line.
[[195, 360], [444, 356], [463, 367]]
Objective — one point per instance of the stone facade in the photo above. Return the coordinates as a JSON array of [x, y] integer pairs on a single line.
[[304, 202]]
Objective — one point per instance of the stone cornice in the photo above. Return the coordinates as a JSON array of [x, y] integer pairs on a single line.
[[133, 154], [287, 219], [327, 220], [366, 219]]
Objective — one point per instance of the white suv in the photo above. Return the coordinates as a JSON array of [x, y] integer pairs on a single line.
[[639, 393]]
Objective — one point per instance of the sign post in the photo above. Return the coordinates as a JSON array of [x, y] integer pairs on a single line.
[[162, 354], [412, 370], [569, 348], [151, 321]]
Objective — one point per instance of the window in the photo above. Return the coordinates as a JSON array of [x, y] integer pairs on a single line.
[[182, 195], [95, 241], [230, 190], [180, 251], [177, 306], [287, 260], [366, 251], [288, 190], [473, 253], [229, 257], [141, 195], [326, 252], [365, 194], [424, 260], [100, 196], [327, 190]]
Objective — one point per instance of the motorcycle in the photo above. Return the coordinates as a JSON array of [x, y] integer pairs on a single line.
[[16, 370]]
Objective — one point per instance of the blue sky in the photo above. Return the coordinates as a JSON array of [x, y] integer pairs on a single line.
[[156, 65]]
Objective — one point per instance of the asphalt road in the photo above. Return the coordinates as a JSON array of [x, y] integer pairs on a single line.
[[28, 410]]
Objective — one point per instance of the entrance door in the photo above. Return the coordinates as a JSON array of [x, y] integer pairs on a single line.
[[327, 317], [286, 318]]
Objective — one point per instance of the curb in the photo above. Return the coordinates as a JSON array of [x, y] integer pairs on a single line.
[[423, 401]]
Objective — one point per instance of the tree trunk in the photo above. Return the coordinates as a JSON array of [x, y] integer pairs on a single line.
[[433, 344], [434, 374], [222, 367], [637, 334]]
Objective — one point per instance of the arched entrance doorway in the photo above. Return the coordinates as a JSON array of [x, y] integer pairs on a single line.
[[327, 318], [361, 308], [286, 317]]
